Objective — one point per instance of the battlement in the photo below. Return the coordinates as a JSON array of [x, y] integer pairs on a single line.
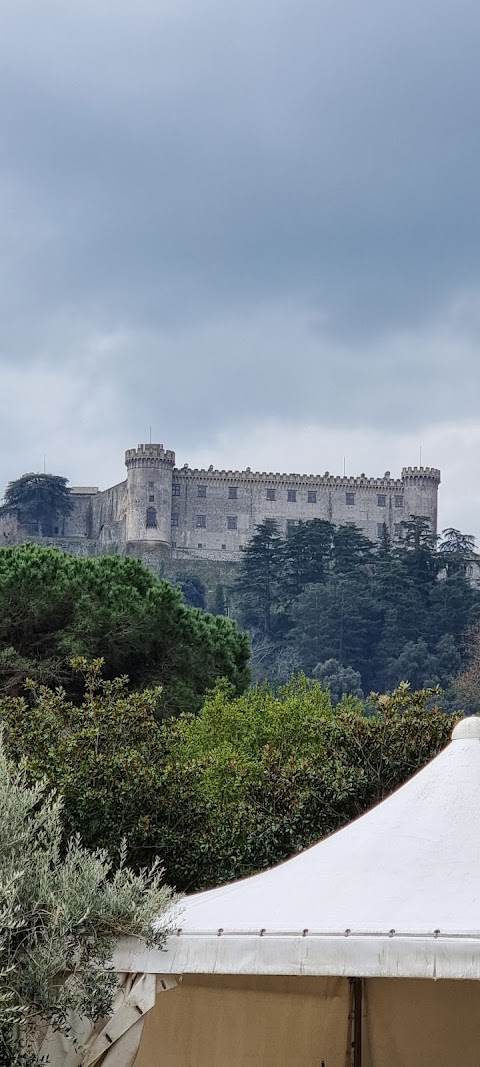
[[416, 475], [288, 480], [149, 456]]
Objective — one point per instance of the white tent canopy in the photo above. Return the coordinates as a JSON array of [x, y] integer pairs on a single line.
[[394, 894]]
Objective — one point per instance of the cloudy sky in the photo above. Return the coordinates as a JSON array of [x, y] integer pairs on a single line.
[[252, 226]]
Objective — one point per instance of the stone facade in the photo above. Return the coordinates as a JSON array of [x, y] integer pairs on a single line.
[[210, 514]]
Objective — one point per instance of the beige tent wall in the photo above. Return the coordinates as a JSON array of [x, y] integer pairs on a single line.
[[233, 1021], [230, 1021], [409, 1022]]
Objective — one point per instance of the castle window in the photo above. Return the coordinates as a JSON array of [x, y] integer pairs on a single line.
[[311, 496], [151, 499], [175, 518], [151, 518], [381, 500], [176, 489], [292, 496], [174, 544], [199, 544], [291, 524], [232, 522], [271, 494], [201, 490], [232, 492], [399, 501], [397, 529], [380, 529], [469, 571], [224, 546], [201, 520], [350, 498], [151, 485]]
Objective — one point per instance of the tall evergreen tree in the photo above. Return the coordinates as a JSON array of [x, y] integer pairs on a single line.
[[259, 581], [456, 550], [351, 549], [417, 550], [41, 501], [307, 556]]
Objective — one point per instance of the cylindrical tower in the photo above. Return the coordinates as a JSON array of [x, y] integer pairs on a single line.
[[421, 493], [149, 493]]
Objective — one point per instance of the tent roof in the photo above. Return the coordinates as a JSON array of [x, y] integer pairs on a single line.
[[394, 893]]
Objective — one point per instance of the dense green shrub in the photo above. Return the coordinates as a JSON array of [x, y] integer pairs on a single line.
[[242, 785]]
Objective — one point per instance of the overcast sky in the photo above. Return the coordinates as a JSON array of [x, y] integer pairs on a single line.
[[252, 226]]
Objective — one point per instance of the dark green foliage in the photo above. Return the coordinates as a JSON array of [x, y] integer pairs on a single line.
[[219, 606], [457, 550], [40, 502], [390, 612], [194, 592], [54, 606], [260, 581], [339, 680], [306, 556], [241, 786]]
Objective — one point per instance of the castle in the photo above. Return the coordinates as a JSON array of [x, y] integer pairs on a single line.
[[211, 514]]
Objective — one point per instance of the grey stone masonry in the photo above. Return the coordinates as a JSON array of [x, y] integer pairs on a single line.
[[211, 514]]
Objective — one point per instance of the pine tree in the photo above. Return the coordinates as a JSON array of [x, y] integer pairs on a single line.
[[457, 550], [39, 501], [259, 580], [307, 556], [417, 550]]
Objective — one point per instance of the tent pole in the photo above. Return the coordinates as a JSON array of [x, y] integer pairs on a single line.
[[357, 1021]]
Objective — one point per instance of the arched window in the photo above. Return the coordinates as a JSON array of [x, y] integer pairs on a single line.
[[151, 517]]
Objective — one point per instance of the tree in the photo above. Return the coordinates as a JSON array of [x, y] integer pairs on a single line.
[[219, 606], [240, 786], [54, 606], [351, 549], [307, 556], [194, 592], [466, 684], [417, 550], [61, 911], [259, 580], [340, 621], [339, 680], [457, 551], [41, 501]]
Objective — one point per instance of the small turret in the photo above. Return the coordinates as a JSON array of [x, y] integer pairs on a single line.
[[420, 475], [421, 493], [149, 493]]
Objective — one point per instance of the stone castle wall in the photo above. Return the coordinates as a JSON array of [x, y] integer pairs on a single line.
[[211, 514], [216, 512]]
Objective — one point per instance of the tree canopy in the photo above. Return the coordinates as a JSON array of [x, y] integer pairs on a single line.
[[55, 606], [242, 785], [388, 611], [39, 502]]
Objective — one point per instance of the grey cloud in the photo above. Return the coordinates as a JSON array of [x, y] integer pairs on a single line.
[[260, 198]]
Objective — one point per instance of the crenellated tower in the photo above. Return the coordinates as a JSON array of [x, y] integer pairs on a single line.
[[149, 493], [421, 492]]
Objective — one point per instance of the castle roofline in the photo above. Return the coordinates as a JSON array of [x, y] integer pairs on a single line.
[[248, 477]]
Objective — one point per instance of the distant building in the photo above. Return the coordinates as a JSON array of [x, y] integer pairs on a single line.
[[211, 514]]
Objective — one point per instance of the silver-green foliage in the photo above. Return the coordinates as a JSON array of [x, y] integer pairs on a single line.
[[61, 912]]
